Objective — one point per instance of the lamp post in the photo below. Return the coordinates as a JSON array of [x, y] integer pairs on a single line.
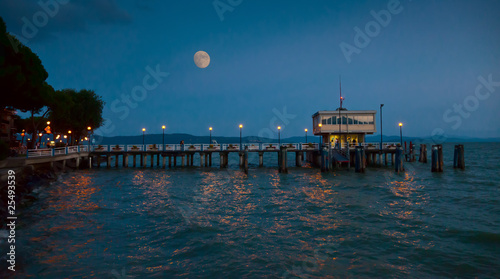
[[143, 131], [210, 141], [279, 135], [66, 137], [401, 132], [163, 140], [320, 125], [306, 134], [88, 129], [381, 105], [241, 126]]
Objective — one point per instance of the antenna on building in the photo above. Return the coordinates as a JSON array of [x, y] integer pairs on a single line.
[[340, 86]]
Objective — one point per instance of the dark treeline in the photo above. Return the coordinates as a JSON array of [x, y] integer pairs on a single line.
[[24, 88]]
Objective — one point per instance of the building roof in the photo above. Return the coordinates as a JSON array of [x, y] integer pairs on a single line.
[[345, 112]]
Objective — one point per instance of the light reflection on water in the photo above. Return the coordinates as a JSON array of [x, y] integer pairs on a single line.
[[218, 223]]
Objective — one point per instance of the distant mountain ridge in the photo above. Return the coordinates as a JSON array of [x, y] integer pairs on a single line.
[[187, 138]]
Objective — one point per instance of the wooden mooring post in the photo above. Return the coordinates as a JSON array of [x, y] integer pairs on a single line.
[[282, 159], [324, 160], [245, 160], [399, 160], [458, 158], [359, 161], [437, 158], [423, 153]]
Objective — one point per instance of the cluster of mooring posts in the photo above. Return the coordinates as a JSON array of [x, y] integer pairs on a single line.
[[360, 157], [326, 157]]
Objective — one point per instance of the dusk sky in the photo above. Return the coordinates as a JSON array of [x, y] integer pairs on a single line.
[[435, 64]]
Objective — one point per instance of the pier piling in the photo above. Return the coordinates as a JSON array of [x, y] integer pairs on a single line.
[[298, 159], [282, 159], [245, 160], [437, 158], [399, 160], [423, 153], [458, 158], [358, 161], [324, 160]]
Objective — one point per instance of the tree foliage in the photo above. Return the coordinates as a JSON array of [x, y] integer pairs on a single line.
[[75, 111]]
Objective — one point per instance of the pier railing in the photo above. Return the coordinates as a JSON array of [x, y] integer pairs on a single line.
[[195, 147]]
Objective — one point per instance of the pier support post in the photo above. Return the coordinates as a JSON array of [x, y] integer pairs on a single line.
[[392, 159], [192, 159], [134, 164], [141, 156], [282, 159], [206, 159], [163, 161], [116, 161], [175, 160], [245, 160], [169, 161], [183, 160], [98, 161], [63, 165], [359, 166], [437, 158], [90, 162], [202, 159], [385, 158], [221, 160], [324, 160], [399, 160], [298, 158], [125, 160], [210, 159], [108, 161], [240, 154], [423, 153], [77, 163], [261, 158], [458, 158]]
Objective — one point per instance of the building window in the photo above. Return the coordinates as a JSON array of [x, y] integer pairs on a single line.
[[323, 121]]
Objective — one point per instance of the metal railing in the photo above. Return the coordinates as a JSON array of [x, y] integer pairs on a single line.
[[38, 152], [175, 147]]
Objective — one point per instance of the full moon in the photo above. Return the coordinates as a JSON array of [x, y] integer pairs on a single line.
[[201, 59]]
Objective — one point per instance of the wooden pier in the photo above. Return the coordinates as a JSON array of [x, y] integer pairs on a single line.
[[175, 155]]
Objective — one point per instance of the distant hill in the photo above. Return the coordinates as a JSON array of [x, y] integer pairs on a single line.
[[176, 138]]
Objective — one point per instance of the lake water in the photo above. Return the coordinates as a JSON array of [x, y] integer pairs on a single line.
[[207, 222]]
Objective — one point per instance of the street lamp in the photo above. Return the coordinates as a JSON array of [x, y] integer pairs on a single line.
[[89, 134], [143, 131], [306, 134], [48, 122], [163, 128], [320, 125], [401, 132], [210, 141], [279, 135], [381, 105], [70, 138], [241, 126]]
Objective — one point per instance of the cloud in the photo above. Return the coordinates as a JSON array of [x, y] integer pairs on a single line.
[[73, 16]]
